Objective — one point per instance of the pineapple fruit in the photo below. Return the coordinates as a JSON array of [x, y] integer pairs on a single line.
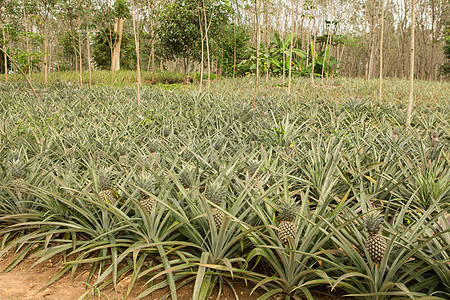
[[145, 183], [375, 243], [184, 178], [287, 228], [215, 194], [17, 169], [123, 154], [105, 181], [435, 139]]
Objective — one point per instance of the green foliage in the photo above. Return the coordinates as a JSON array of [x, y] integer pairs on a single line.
[[276, 57], [179, 31], [121, 9], [225, 43]]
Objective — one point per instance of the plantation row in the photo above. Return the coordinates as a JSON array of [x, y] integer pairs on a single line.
[[300, 194]]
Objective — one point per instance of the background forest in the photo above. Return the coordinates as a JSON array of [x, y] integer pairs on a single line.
[[336, 37]]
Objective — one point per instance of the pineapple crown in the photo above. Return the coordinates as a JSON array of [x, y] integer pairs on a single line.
[[145, 182], [105, 178], [252, 166], [215, 193], [287, 211], [142, 161], [372, 222]]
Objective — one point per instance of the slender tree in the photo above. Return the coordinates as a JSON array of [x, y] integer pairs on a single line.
[[4, 40], [45, 8], [411, 71], [135, 15], [381, 51], [88, 40], [121, 12], [293, 19], [257, 55], [313, 46], [207, 43]]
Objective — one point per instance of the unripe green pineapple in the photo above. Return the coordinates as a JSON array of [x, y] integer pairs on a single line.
[[435, 139], [185, 179], [375, 243], [17, 170], [220, 142], [166, 130], [70, 144], [104, 177], [215, 194], [145, 182], [187, 154], [394, 135], [123, 154], [286, 217], [153, 145]]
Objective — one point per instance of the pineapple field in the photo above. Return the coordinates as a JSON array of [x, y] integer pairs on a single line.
[[324, 191]]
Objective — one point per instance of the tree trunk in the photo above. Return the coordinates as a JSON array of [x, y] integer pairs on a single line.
[[291, 47], [152, 54], [207, 46], [136, 39], [257, 56], [203, 53], [115, 51], [27, 41], [4, 46], [88, 46], [81, 58], [45, 66], [234, 50], [411, 71], [313, 48], [381, 52]]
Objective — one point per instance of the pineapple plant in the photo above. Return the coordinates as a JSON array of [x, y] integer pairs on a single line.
[[215, 193], [287, 228], [375, 243], [104, 177], [145, 184]]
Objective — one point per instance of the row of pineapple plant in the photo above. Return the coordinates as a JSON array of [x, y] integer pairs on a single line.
[[195, 172]]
